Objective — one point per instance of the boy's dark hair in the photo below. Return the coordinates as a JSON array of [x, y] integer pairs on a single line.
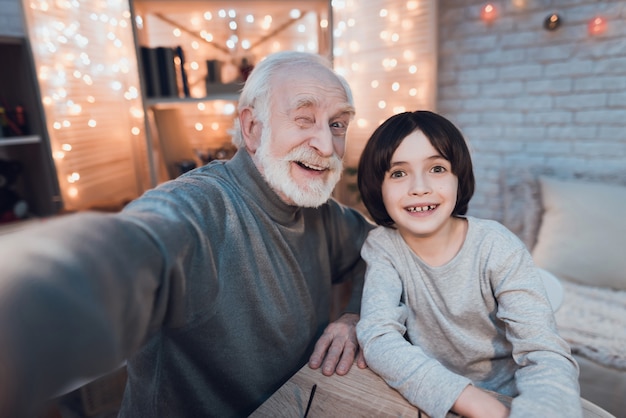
[[376, 158]]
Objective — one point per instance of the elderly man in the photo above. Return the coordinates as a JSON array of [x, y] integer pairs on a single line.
[[215, 286]]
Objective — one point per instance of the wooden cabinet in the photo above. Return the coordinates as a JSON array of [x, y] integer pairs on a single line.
[[37, 183]]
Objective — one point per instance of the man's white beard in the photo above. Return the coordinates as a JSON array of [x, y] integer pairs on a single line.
[[277, 172]]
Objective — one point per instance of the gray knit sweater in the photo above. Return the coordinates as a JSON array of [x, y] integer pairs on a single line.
[[214, 287], [483, 318]]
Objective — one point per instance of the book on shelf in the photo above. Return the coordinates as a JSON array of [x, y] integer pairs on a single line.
[[181, 73], [163, 69], [167, 71], [150, 71]]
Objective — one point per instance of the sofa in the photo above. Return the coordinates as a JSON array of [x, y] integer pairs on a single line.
[[575, 227]]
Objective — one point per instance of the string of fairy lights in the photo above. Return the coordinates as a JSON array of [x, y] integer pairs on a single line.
[[86, 65]]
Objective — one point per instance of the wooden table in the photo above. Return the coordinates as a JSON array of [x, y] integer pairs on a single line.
[[360, 393]]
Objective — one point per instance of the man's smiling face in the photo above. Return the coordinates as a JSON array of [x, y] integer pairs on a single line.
[[302, 144]]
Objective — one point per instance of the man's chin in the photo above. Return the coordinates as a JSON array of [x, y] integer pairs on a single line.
[[299, 187]]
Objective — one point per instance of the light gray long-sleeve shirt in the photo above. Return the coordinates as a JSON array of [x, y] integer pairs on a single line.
[[483, 318], [215, 288]]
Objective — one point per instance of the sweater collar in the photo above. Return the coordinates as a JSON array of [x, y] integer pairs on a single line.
[[250, 180]]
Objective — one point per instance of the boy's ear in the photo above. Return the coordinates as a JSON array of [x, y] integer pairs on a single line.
[[250, 129]]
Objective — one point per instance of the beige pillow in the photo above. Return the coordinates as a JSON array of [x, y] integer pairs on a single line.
[[582, 236]]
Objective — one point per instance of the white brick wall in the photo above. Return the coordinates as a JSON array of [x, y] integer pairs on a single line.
[[11, 18], [524, 96]]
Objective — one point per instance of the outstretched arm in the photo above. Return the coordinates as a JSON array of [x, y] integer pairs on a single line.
[[337, 348], [77, 296]]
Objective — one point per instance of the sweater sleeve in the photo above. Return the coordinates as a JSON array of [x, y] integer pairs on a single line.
[[547, 374], [421, 379], [78, 295]]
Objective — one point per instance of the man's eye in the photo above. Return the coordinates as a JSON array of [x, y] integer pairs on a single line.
[[339, 128], [305, 121]]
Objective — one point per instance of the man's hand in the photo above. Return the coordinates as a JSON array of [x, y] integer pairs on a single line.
[[337, 347]]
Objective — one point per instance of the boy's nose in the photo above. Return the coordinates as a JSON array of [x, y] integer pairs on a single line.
[[419, 185]]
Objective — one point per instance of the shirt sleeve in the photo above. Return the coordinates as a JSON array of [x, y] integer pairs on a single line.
[[421, 379], [547, 377]]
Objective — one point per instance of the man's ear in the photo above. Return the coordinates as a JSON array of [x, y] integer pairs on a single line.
[[250, 129]]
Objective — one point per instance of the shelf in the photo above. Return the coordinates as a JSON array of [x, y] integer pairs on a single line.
[[19, 140], [228, 91], [11, 40]]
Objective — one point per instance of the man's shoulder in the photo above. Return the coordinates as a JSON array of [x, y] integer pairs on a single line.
[[213, 176], [334, 208]]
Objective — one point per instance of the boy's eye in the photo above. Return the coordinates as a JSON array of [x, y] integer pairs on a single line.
[[439, 169], [397, 174]]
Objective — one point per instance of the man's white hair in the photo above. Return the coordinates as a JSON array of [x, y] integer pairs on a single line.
[[257, 91]]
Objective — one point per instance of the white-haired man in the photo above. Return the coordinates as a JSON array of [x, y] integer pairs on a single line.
[[216, 286]]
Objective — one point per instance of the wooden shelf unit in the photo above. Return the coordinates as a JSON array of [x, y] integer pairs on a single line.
[[37, 183]]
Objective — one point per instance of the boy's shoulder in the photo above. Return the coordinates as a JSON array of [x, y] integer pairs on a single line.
[[493, 229]]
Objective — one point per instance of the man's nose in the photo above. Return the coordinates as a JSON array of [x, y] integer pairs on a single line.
[[323, 141]]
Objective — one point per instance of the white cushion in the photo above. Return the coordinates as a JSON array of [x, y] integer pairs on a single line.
[[582, 236], [554, 289]]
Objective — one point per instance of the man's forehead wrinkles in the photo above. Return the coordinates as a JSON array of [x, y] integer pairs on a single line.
[[305, 100], [308, 101]]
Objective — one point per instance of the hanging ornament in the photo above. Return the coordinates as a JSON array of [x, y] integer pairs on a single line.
[[552, 22]]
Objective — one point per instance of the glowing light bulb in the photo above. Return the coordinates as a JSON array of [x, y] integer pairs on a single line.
[[229, 109], [488, 13], [295, 14], [597, 26]]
